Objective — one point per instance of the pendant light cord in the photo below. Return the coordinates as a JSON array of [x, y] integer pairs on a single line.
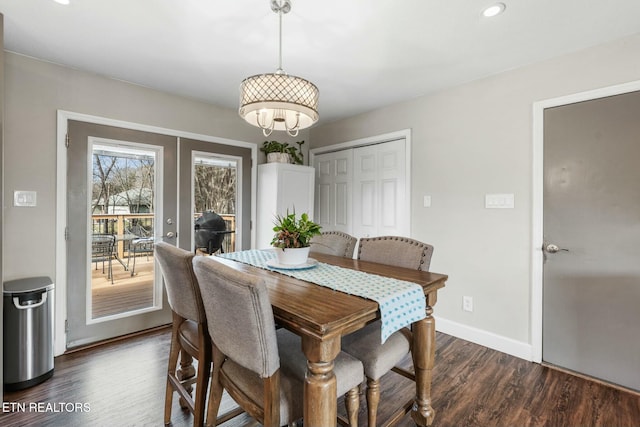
[[280, 70]]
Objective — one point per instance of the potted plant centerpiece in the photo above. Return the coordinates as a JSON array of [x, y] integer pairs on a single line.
[[282, 152], [293, 238]]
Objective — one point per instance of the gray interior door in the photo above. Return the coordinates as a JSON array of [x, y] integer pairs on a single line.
[[591, 285]]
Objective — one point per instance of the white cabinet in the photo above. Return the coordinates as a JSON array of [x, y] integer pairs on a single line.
[[281, 187]]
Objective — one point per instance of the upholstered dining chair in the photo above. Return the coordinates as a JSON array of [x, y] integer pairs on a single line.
[[377, 358], [334, 243], [189, 337], [262, 369]]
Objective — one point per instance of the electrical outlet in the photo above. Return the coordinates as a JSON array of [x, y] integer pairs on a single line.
[[467, 303]]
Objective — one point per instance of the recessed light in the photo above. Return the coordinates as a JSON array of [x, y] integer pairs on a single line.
[[494, 10], [65, 2]]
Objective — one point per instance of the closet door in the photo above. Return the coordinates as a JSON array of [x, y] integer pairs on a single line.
[[334, 175], [380, 205]]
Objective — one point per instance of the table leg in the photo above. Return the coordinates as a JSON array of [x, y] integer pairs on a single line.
[[320, 389], [424, 352]]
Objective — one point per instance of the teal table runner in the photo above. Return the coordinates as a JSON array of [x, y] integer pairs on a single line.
[[401, 302]]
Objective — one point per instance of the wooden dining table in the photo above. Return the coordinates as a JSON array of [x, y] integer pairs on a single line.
[[321, 316]]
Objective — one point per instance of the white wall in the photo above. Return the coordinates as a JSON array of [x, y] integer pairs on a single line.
[[476, 139]]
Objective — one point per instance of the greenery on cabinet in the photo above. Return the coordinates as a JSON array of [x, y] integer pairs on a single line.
[[296, 154]]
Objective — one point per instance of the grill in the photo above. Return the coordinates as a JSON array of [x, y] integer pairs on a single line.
[[210, 229]]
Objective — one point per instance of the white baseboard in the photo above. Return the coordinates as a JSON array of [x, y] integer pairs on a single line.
[[487, 339]]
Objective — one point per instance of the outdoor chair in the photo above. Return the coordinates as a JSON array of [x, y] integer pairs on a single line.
[[142, 246], [103, 251]]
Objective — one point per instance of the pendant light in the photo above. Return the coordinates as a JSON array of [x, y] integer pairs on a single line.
[[279, 101]]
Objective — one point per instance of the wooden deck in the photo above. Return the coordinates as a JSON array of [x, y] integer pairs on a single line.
[[127, 292]]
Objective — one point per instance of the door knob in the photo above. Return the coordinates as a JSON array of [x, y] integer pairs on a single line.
[[552, 249], [170, 235]]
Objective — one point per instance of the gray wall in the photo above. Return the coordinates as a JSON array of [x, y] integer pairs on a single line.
[[476, 139], [35, 90]]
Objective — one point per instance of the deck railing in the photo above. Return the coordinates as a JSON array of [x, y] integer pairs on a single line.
[[141, 225]]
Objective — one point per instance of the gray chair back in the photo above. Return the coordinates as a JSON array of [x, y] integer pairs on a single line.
[[397, 251], [239, 315], [181, 283], [334, 243]]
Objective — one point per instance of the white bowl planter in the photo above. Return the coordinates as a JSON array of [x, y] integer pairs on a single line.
[[278, 158], [292, 256]]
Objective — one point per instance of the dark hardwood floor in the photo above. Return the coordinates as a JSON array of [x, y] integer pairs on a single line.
[[122, 384]]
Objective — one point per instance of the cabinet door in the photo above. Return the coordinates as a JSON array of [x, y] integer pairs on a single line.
[[282, 187], [295, 190]]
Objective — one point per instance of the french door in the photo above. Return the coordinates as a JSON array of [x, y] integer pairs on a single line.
[[127, 189], [215, 177], [121, 198]]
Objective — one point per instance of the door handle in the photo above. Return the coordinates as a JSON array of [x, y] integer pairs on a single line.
[[552, 249], [170, 235]]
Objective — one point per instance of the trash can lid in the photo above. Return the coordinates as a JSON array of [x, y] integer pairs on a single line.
[[29, 284]]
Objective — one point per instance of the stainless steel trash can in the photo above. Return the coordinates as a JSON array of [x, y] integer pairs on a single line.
[[28, 332]]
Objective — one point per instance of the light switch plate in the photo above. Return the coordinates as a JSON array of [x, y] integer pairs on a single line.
[[426, 202], [499, 201], [24, 198]]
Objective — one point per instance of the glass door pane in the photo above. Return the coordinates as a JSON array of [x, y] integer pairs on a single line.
[[216, 177], [122, 229], [215, 189]]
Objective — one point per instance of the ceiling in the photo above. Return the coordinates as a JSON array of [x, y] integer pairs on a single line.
[[362, 54]]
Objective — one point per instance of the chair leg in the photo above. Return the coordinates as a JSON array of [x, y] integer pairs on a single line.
[[201, 393], [171, 369], [352, 403], [185, 372], [215, 388], [373, 398], [202, 380], [110, 275], [133, 269]]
